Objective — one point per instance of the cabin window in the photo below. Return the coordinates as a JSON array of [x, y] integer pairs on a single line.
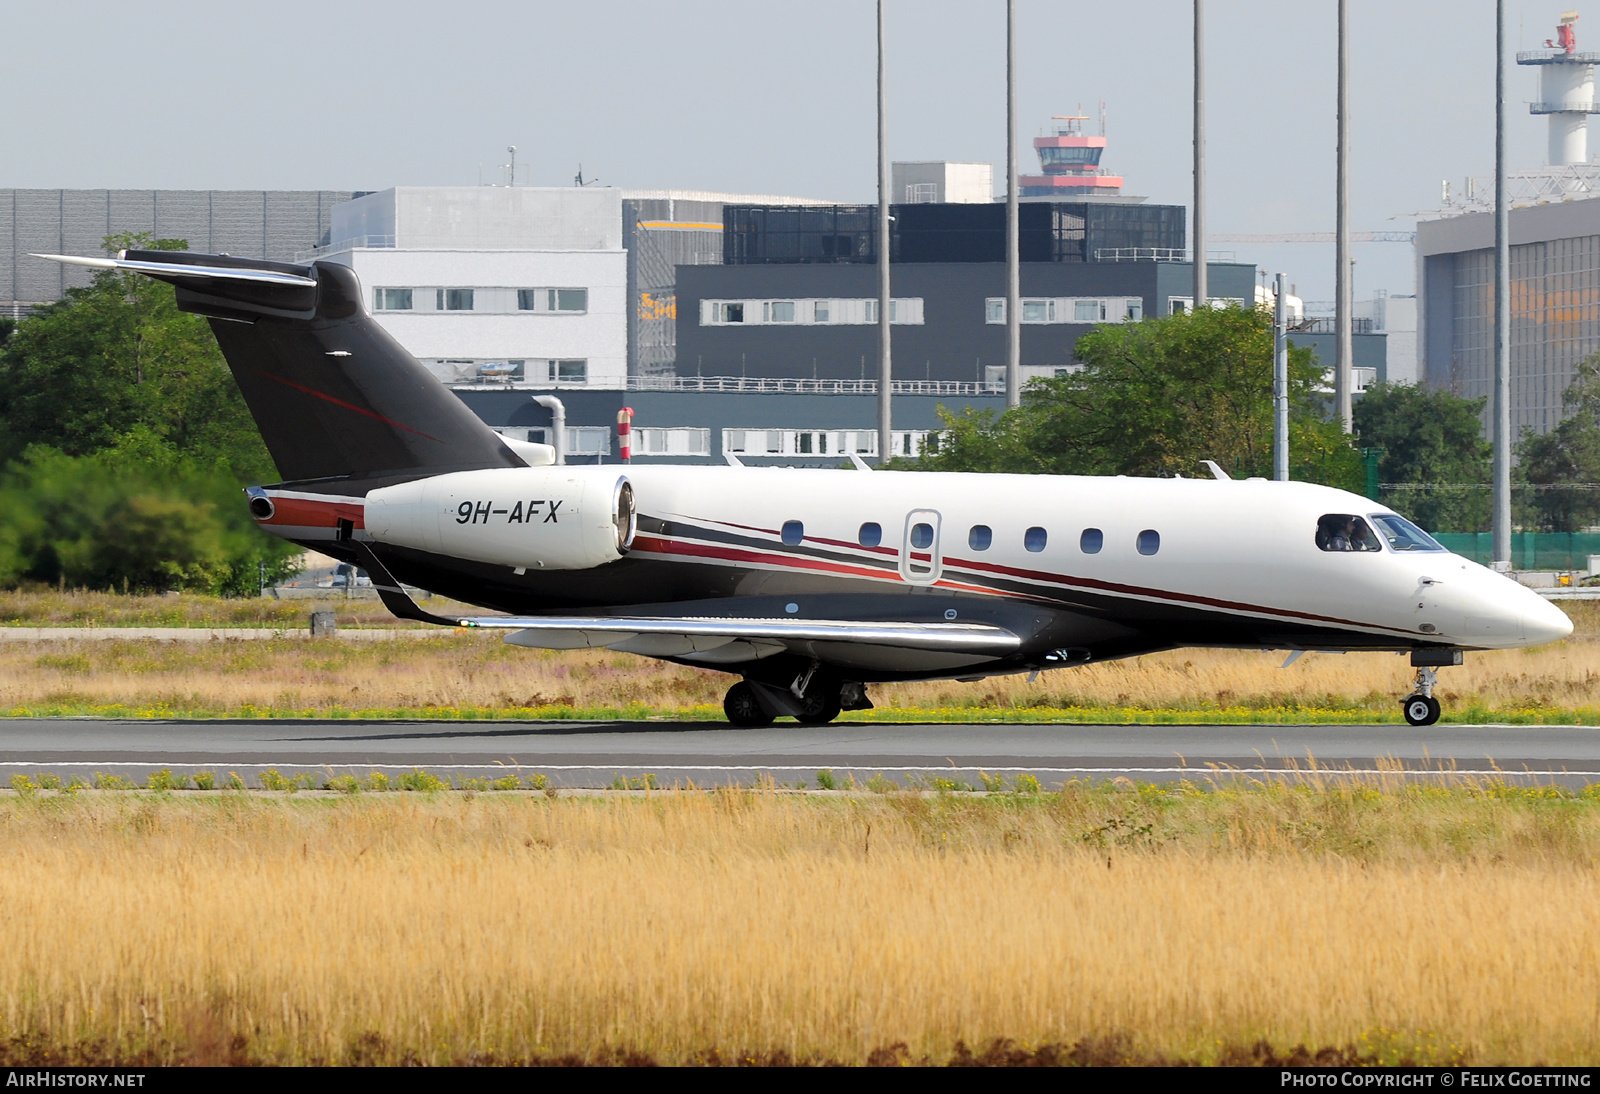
[[1347, 532], [1149, 541], [1403, 535], [922, 536], [1091, 541], [793, 532], [871, 534], [1034, 539], [980, 537]]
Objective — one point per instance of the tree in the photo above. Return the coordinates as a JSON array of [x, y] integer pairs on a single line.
[[1564, 464], [1157, 397], [137, 514], [1431, 439], [117, 355]]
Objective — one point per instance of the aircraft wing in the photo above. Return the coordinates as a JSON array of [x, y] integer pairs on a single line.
[[710, 640]]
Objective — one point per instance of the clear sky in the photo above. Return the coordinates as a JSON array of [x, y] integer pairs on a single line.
[[774, 98]]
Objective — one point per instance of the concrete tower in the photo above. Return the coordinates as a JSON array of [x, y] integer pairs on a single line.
[[1566, 92]]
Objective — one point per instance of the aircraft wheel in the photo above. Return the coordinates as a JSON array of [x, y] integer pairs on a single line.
[[820, 706], [743, 708], [1420, 710]]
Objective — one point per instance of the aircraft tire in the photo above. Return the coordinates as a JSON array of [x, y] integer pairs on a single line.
[[743, 708], [820, 706], [1420, 710]]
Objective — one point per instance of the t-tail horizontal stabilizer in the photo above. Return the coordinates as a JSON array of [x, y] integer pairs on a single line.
[[334, 395]]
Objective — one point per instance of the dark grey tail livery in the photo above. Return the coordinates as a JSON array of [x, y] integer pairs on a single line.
[[332, 393]]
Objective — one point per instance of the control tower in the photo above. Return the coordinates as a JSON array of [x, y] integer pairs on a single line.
[[1070, 161], [1566, 92]]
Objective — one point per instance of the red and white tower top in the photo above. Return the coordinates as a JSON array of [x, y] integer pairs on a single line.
[[1566, 92], [1070, 160]]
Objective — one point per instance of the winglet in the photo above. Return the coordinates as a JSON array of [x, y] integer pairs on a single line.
[[861, 464], [733, 461], [1216, 472]]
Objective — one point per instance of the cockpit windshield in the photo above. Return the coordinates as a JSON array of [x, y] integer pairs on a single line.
[[1345, 532], [1402, 535]]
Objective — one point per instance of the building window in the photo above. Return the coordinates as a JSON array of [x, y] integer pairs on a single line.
[[994, 310], [391, 299], [528, 299], [902, 311], [1135, 311], [1177, 305], [677, 441], [588, 440], [569, 299], [453, 300], [922, 193], [569, 372], [1035, 311], [1086, 311]]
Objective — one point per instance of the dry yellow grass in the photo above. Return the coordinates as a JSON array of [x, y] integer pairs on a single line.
[[1429, 925], [475, 674]]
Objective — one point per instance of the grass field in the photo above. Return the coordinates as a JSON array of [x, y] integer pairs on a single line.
[[1366, 923], [474, 675]]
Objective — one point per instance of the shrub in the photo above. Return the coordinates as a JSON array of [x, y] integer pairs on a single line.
[[992, 783], [377, 782], [1027, 784], [104, 780], [344, 784], [205, 780], [825, 780], [166, 780], [418, 779]]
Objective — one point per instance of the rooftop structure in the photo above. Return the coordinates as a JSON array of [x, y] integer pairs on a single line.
[[1070, 160], [938, 182], [1566, 92]]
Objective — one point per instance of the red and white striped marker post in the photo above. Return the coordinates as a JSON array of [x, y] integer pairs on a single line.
[[624, 433]]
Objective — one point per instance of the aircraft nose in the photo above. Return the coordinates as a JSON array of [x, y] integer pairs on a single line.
[[1543, 622]]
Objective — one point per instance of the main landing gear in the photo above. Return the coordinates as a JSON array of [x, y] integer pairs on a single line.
[[814, 698], [1420, 708]]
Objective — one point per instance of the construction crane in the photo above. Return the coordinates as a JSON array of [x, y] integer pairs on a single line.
[[1313, 237]]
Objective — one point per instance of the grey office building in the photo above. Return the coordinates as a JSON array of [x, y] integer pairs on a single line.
[[274, 224], [1555, 305]]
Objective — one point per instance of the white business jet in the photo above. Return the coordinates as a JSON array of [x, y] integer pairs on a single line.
[[808, 584]]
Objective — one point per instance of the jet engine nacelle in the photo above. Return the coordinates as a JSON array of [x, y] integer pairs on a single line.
[[552, 518]]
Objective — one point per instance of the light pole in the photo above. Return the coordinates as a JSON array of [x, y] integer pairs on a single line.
[[885, 366], [1198, 233], [1344, 348], [1502, 308], [1013, 245]]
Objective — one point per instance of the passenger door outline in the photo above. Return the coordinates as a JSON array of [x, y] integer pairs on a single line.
[[921, 565]]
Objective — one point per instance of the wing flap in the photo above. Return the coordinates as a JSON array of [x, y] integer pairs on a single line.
[[695, 635]]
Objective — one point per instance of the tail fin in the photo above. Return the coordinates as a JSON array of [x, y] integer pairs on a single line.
[[333, 394]]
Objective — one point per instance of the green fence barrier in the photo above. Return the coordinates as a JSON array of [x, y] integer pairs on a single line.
[[1529, 550]]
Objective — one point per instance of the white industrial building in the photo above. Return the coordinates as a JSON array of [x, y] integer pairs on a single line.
[[523, 285]]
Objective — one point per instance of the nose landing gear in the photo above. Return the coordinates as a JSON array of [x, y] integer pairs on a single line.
[[1420, 708]]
